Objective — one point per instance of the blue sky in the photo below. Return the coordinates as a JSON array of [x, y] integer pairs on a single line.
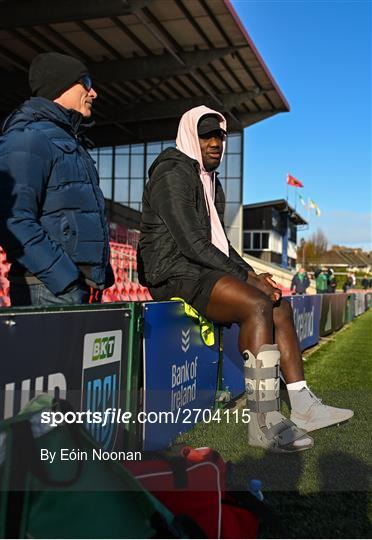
[[319, 53]]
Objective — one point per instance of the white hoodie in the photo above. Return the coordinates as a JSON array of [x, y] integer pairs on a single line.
[[188, 142]]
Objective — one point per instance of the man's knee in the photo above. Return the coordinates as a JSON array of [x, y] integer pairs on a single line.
[[283, 311], [259, 308]]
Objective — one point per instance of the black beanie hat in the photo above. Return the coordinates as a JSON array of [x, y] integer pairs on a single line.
[[52, 73]]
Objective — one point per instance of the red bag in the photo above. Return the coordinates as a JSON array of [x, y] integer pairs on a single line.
[[192, 482]]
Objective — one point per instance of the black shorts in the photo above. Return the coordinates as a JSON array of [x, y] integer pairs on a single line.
[[195, 292]]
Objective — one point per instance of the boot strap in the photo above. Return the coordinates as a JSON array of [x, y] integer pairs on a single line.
[[279, 428], [286, 431], [264, 406], [262, 373]]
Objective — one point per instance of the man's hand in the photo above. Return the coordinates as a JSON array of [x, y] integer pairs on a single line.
[[266, 284]]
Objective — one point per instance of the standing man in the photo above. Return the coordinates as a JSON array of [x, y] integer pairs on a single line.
[[52, 222], [300, 282], [332, 282], [184, 252], [322, 281]]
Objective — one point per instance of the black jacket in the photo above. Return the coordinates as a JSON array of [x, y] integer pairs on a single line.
[[299, 285], [175, 238]]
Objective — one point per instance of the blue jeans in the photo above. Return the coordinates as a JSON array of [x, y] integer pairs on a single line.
[[40, 295]]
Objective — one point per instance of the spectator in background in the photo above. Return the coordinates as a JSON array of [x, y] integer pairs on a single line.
[[300, 282], [184, 252], [365, 282], [348, 283], [353, 279], [52, 222], [322, 281], [332, 282]]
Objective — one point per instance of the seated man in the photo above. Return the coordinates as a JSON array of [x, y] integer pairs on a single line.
[[184, 252]]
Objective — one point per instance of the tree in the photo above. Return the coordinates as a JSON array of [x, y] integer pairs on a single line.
[[310, 251]]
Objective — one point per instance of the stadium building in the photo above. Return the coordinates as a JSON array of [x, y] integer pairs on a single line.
[[270, 232], [150, 61]]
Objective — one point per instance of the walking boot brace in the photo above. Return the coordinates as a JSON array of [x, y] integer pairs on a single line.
[[268, 428]]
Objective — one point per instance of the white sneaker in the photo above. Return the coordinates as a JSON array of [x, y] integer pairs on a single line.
[[313, 414]]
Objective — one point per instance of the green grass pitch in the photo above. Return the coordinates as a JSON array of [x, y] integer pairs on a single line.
[[323, 492]]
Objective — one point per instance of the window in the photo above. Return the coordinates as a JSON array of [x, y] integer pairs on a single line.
[[234, 143], [136, 190], [106, 150], [122, 149], [154, 148], [233, 165], [150, 158], [232, 190], [136, 166], [105, 165], [256, 241], [265, 240], [125, 177], [105, 185], [122, 190], [222, 169], [137, 149], [247, 240], [121, 166]]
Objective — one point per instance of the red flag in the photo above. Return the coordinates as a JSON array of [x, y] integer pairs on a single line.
[[293, 181]]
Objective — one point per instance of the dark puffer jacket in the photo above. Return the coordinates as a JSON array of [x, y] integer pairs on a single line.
[[175, 236], [52, 222]]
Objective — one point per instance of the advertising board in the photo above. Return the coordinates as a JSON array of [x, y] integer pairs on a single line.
[[79, 355], [180, 373]]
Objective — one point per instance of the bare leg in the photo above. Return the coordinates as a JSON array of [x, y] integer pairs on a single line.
[[286, 338], [233, 300]]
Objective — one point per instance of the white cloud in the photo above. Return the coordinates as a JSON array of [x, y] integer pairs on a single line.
[[343, 227]]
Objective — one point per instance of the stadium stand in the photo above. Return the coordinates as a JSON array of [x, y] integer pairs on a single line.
[[126, 287], [124, 264]]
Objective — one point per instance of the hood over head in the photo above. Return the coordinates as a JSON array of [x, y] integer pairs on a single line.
[[187, 140], [188, 143]]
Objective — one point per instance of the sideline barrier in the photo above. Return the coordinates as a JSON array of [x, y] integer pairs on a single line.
[[333, 312], [82, 354], [360, 304], [180, 371], [306, 315], [350, 308], [232, 366], [92, 355]]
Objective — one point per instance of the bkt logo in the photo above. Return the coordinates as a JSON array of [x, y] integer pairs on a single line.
[[101, 381], [103, 348]]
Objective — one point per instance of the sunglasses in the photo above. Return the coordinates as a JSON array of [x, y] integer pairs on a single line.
[[86, 83]]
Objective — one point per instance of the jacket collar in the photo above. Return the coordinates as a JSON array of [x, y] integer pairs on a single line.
[[39, 108]]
